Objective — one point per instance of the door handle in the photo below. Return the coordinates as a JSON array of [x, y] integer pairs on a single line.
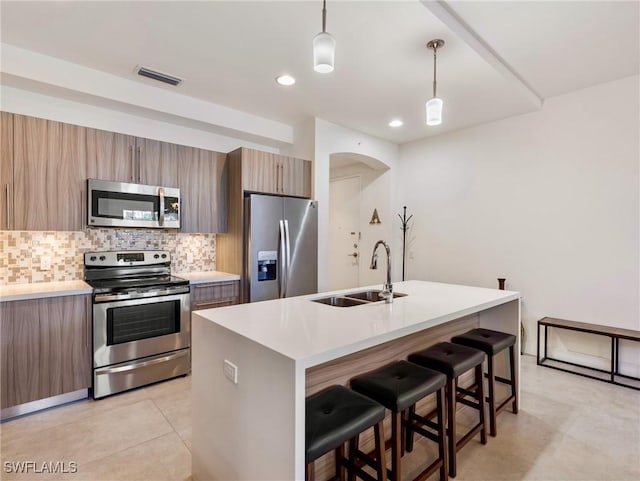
[[133, 165], [8, 211], [354, 255], [282, 285], [287, 253], [138, 365], [139, 163], [161, 208]]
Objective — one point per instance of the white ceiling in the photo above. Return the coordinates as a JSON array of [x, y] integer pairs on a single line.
[[230, 52]]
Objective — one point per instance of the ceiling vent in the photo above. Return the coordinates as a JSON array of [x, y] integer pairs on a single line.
[[159, 76]]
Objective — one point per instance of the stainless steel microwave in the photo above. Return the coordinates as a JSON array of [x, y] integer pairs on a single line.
[[118, 204]]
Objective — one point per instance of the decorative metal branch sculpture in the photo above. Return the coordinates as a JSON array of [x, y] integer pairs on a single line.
[[405, 227]]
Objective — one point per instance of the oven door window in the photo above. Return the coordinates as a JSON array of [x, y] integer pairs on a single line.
[[133, 323], [125, 206]]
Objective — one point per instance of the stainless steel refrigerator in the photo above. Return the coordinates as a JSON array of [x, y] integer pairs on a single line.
[[280, 247]]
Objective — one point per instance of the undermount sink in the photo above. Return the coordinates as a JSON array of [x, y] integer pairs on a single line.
[[358, 298], [339, 301], [371, 296]]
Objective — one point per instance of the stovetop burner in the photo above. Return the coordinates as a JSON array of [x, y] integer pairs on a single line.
[[102, 286], [122, 271]]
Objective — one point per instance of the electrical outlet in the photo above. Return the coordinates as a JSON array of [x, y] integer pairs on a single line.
[[45, 263], [230, 371]]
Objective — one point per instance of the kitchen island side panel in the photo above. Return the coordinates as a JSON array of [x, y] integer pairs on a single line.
[[243, 431]]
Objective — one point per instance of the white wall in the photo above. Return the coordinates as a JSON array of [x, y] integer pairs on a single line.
[[331, 138], [549, 200]]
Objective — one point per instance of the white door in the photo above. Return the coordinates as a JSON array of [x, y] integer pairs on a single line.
[[344, 232]]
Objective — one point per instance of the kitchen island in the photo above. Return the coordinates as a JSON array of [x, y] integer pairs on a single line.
[[249, 424]]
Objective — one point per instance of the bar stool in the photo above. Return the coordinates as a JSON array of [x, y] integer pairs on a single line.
[[454, 360], [336, 415], [399, 386], [492, 343]]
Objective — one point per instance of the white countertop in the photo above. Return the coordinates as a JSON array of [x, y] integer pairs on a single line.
[[37, 290], [204, 277], [312, 333]]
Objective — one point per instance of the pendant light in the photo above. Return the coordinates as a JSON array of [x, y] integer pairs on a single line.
[[324, 46], [434, 105]]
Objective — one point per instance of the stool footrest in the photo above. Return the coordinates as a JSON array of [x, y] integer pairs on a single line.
[[467, 437], [355, 467], [503, 380], [471, 404], [504, 403]]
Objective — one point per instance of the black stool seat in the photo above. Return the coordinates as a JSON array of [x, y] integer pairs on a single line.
[[448, 358], [399, 385], [488, 341], [336, 415]]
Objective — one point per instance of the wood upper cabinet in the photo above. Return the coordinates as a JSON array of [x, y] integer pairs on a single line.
[[270, 173], [203, 190], [110, 156], [157, 162], [296, 177], [6, 170], [45, 348], [49, 173], [124, 158]]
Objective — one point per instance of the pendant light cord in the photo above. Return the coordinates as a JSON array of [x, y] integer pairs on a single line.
[[324, 16], [435, 49]]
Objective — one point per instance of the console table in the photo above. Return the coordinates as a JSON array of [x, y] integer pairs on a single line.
[[615, 334]]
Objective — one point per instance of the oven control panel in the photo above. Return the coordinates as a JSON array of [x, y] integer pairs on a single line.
[[126, 258]]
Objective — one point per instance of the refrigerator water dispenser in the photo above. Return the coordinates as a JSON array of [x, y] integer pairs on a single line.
[[267, 265]]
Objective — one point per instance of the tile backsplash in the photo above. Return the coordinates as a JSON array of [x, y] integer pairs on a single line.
[[34, 256]]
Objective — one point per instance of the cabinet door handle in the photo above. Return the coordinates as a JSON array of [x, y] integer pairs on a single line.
[[82, 202], [7, 205], [277, 178], [139, 163], [133, 164], [282, 178]]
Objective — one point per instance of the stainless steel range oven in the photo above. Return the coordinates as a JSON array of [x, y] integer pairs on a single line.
[[141, 320]]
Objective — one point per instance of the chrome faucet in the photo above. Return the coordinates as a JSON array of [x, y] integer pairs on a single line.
[[387, 288]]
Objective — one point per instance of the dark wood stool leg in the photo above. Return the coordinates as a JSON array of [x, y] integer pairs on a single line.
[[395, 446], [353, 447], [492, 396], [514, 378], [409, 432], [451, 424], [309, 471], [380, 452], [480, 394], [341, 471], [442, 434]]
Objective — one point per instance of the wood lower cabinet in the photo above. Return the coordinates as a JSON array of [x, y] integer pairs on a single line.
[[45, 348], [203, 190], [215, 294]]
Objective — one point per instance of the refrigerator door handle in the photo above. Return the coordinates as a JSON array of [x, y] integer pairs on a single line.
[[282, 281], [287, 254]]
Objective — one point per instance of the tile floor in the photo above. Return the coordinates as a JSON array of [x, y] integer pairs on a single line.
[[568, 428]]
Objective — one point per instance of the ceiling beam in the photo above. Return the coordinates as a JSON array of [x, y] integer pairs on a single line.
[[462, 30]]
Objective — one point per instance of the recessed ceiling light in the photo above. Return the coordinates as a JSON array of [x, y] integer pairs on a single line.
[[286, 80], [395, 123]]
